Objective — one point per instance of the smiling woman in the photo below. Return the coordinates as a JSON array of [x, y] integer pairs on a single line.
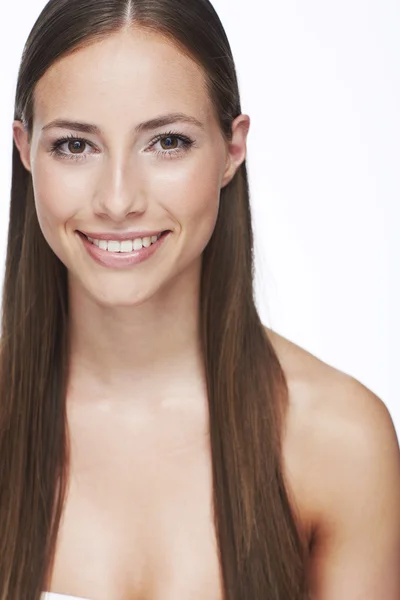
[[156, 440]]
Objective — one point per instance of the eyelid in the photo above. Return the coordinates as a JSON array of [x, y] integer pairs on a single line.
[[64, 139], [187, 144], [176, 134]]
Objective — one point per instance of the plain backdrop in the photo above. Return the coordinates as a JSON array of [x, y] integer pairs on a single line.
[[321, 83]]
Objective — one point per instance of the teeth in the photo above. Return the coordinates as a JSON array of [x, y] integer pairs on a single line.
[[138, 244], [125, 245], [114, 246]]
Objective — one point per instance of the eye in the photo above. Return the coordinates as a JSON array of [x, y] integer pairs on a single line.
[[169, 142], [75, 147], [172, 144]]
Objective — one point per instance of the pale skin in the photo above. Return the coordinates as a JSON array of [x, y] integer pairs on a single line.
[[140, 473]]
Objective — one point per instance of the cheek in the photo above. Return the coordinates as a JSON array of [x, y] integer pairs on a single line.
[[191, 193], [58, 191], [57, 199]]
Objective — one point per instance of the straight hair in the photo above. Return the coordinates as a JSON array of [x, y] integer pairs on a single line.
[[261, 549]]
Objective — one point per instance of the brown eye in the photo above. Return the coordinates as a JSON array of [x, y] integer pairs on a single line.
[[75, 146], [169, 142]]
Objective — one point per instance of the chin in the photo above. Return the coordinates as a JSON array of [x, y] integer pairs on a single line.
[[119, 298]]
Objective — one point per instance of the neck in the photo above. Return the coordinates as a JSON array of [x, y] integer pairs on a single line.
[[135, 352]]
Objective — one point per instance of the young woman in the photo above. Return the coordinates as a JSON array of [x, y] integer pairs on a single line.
[[157, 441]]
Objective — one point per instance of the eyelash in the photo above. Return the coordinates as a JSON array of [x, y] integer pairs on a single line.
[[187, 143]]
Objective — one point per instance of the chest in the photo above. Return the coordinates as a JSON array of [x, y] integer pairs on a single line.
[[137, 523]]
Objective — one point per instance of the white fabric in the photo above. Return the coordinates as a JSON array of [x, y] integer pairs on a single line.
[[54, 596]]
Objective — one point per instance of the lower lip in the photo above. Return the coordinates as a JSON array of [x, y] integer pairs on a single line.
[[120, 260]]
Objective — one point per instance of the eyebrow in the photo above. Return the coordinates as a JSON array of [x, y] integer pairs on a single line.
[[155, 123]]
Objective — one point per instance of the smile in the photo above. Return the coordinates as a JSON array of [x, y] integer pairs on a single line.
[[124, 253], [124, 246]]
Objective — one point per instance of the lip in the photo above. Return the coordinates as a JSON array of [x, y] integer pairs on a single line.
[[120, 236]]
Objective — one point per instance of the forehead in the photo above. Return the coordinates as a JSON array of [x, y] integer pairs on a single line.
[[131, 74]]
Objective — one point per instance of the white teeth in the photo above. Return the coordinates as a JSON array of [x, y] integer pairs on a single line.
[[114, 246], [125, 245], [137, 244]]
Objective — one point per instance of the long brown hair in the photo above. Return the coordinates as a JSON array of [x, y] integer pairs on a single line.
[[262, 551]]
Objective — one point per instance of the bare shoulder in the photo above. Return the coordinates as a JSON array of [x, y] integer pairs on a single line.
[[343, 457]]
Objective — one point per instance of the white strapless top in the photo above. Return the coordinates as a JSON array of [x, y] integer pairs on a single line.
[[54, 596]]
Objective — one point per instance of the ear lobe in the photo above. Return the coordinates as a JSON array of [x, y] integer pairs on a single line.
[[21, 141]]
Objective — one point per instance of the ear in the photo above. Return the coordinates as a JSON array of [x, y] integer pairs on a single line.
[[236, 148], [20, 135]]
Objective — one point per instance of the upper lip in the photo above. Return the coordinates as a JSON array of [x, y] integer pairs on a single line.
[[120, 236]]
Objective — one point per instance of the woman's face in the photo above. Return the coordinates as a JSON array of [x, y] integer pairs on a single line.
[[119, 176]]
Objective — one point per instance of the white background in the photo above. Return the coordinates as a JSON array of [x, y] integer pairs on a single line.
[[320, 81]]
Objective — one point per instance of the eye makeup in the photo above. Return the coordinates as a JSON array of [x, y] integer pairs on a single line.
[[186, 144]]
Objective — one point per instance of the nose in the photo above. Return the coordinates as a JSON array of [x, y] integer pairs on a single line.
[[119, 190]]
